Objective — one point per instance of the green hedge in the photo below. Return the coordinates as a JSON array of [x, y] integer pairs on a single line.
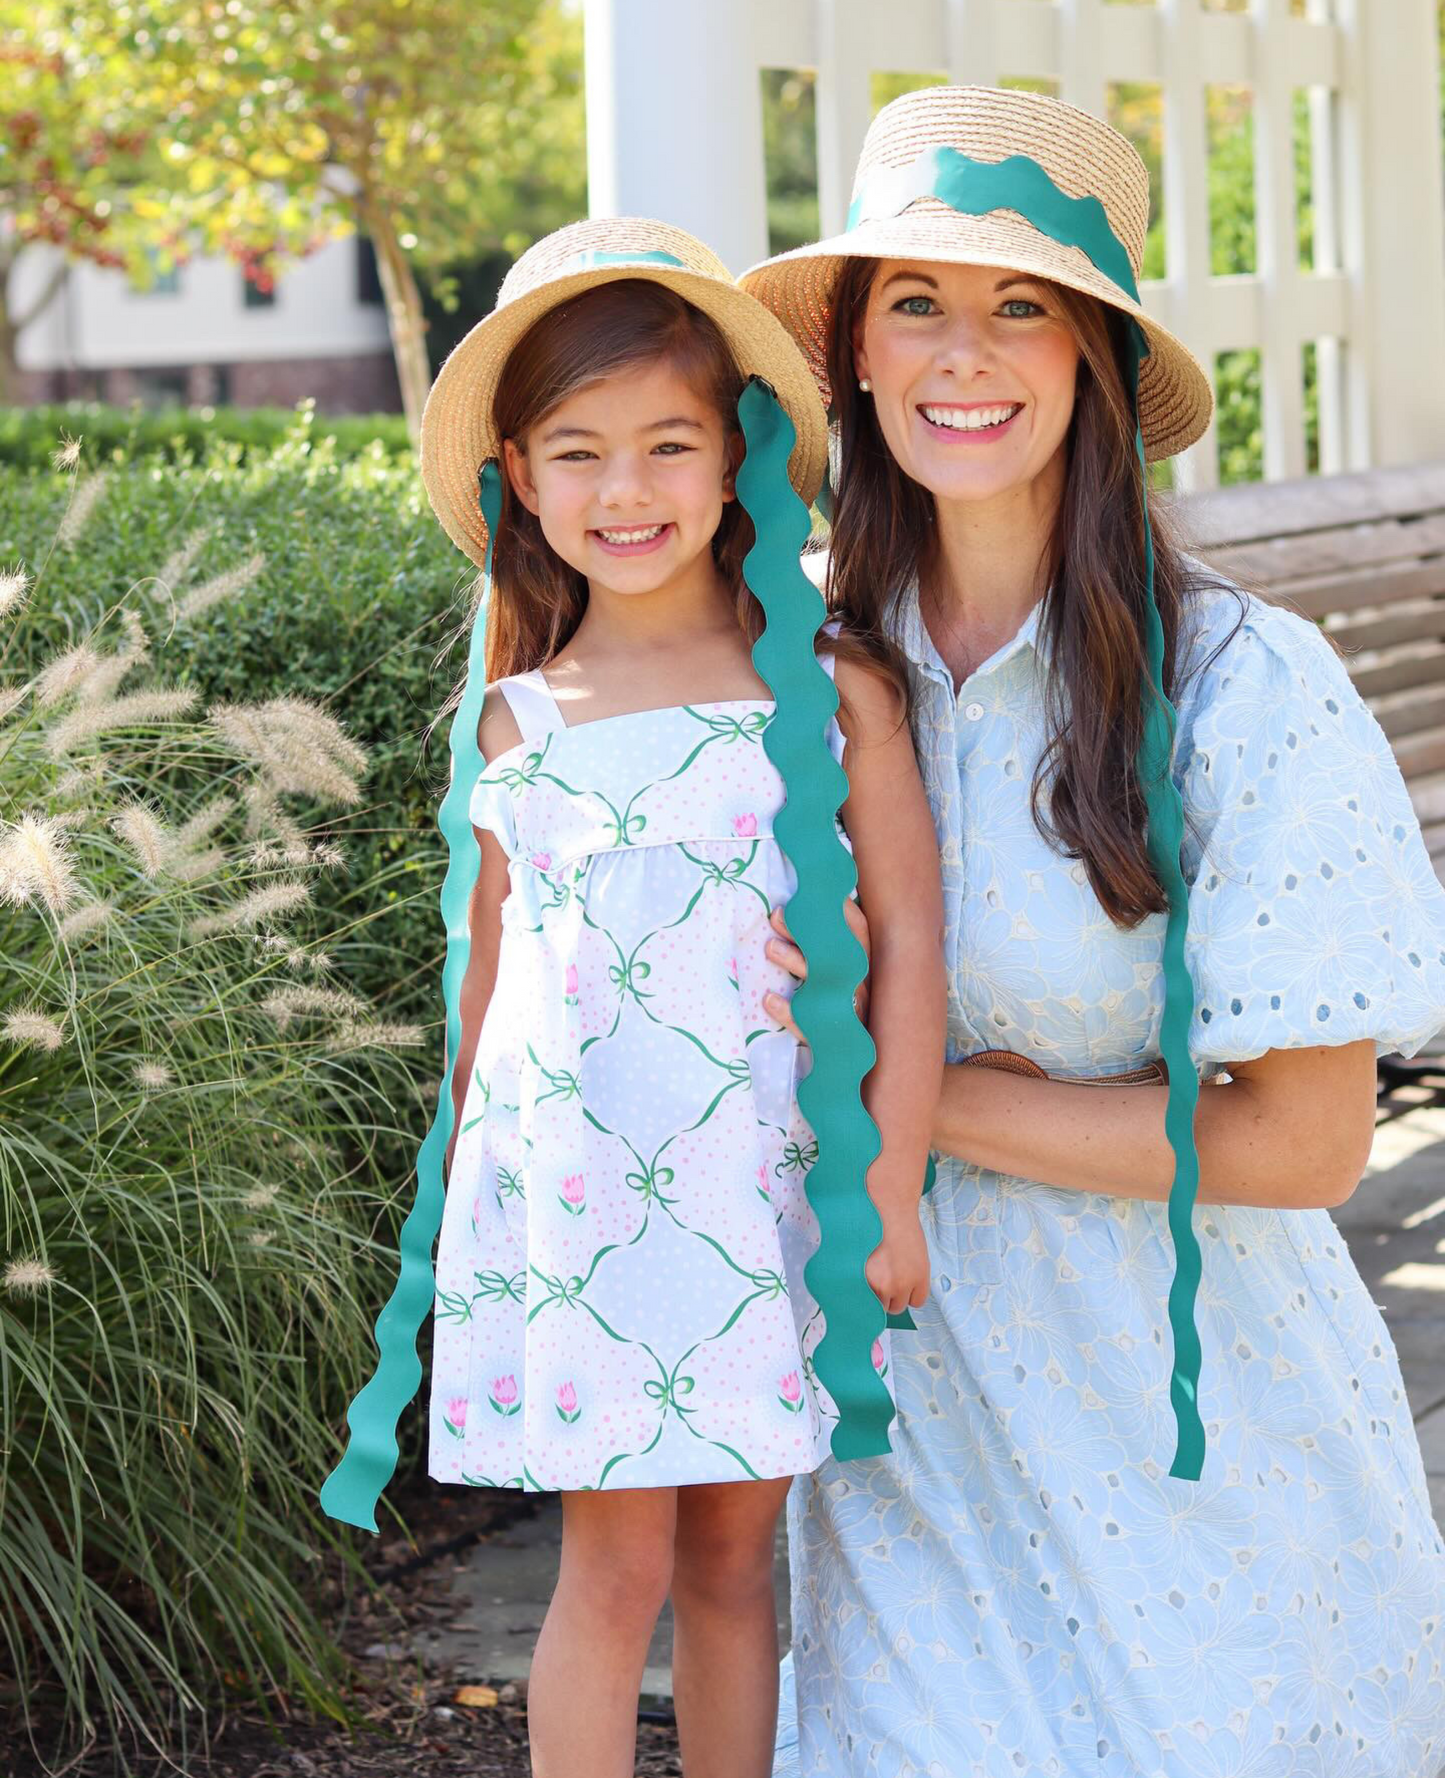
[[28, 436], [359, 592]]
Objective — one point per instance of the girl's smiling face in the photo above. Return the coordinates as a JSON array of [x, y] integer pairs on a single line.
[[628, 478], [973, 372]]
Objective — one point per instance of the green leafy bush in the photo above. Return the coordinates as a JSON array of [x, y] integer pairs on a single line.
[[181, 435], [357, 593], [207, 1115]]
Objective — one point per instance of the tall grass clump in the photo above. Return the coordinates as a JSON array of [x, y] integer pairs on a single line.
[[192, 1210]]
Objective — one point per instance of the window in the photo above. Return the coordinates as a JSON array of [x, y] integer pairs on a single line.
[[368, 278], [253, 296]]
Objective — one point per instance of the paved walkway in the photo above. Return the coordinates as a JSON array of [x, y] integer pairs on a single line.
[[1395, 1226]]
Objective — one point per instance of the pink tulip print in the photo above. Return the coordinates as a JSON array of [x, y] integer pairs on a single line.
[[542, 860], [454, 1416], [567, 1408], [745, 826], [880, 1363], [478, 1211], [503, 1396], [569, 992], [573, 1195], [763, 1191], [790, 1393], [733, 971]]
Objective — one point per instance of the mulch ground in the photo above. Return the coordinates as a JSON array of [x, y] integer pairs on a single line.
[[411, 1722]]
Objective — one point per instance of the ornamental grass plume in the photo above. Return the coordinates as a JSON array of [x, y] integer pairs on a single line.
[[14, 584], [195, 1151], [295, 746]]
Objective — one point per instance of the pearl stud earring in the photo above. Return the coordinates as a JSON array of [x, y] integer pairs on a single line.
[[865, 385]]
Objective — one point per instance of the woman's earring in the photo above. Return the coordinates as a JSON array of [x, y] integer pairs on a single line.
[[865, 385]]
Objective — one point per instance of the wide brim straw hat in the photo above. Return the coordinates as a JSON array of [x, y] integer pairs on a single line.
[[1081, 155], [458, 434]]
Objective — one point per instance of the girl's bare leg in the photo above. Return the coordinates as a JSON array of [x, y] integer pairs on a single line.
[[587, 1669], [725, 1643]]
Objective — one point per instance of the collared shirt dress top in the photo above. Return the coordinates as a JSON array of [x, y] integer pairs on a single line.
[[620, 1300], [1021, 1590]]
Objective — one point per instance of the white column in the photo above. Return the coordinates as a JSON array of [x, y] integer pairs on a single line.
[[1081, 63], [845, 105], [1186, 214], [1394, 231], [675, 119], [1276, 244], [971, 36]]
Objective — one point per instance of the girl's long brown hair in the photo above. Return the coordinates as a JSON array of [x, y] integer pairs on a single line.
[[537, 599], [1087, 800]]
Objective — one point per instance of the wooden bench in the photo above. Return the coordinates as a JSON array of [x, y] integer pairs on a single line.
[[1364, 555]]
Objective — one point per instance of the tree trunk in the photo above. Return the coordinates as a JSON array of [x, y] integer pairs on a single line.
[[13, 325], [403, 313]]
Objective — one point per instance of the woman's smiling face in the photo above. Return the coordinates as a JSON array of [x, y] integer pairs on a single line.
[[973, 371]]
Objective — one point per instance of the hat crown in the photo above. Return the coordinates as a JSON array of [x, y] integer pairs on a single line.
[[560, 254], [1083, 156]]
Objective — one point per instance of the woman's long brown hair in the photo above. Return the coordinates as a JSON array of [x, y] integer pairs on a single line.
[[537, 599], [1087, 800]]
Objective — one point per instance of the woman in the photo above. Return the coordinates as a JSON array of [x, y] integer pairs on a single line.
[[1027, 1585]]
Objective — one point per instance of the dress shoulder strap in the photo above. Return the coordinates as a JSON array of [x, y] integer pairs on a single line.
[[532, 705]]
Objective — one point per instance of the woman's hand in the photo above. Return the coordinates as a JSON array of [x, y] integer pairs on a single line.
[[897, 1269], [783, 951]]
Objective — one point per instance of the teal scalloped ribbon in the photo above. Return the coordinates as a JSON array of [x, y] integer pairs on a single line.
[[595, 259], [351, 1492], [1019, 184], [1023, 186], [1164, 837], [806, 828]]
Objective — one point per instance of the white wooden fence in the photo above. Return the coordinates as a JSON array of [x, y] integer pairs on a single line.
[[674, 127]]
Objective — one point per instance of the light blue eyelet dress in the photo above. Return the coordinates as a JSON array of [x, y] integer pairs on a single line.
[[1021, 1590]]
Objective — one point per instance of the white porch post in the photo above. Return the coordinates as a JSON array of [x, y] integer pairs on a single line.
[[1394, 232], [675, 119]]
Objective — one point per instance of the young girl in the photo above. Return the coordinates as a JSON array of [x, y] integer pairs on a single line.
[[621, 1309]]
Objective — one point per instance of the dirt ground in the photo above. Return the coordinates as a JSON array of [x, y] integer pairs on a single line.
[[417, 1723]]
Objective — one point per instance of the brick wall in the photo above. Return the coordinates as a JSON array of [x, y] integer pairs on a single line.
[[353, 385]]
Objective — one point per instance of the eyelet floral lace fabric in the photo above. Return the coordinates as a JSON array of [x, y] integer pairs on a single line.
[[620, 1301], [1021, 1590]]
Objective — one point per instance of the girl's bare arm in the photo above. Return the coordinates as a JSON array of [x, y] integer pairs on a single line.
[[895, 846], [496, 732]]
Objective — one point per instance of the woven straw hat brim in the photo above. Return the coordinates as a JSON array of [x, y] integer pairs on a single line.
[[457, 433], [1176, 401]]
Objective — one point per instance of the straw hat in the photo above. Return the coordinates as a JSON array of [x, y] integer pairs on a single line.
[[1081, 155], [457, 431]]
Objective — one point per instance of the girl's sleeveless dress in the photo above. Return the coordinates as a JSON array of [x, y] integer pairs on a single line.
[[620, 1296]]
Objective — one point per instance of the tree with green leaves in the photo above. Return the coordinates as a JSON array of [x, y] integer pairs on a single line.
[[68, 143], [436, 127], [442, 129]]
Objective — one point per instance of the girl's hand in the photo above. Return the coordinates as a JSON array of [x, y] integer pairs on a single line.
[[897, 1269], [783, 951]]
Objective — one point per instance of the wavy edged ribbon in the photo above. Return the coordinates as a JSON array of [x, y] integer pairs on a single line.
[[806, 828], [1023, 186], [975, 188], [351, 1491]]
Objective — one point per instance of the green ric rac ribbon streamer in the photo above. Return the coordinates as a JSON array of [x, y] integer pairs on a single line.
[[1020, 184], [806, 828], [595, 259], [351, 1491]]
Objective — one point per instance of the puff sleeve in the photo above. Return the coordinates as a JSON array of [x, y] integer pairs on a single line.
[[1315, 915], [493, 808]]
